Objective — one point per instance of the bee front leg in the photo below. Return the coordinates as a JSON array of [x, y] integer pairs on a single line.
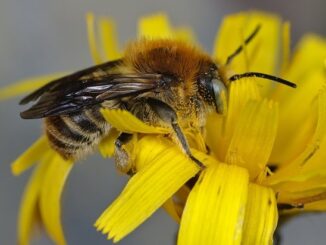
[[121, 155], [168, 115]]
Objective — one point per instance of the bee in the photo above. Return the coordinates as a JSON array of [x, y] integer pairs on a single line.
[[162, 82]]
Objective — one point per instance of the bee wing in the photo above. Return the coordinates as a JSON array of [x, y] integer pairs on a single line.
[[65, 96], [75, 77], [89, 93]]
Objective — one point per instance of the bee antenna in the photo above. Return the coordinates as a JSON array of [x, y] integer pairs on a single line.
[[240, 48], [264, 76]]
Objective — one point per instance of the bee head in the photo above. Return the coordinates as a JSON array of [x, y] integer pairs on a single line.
[[212, 89]]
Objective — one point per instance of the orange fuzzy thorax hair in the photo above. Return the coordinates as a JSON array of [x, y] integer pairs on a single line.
[[167, 56]]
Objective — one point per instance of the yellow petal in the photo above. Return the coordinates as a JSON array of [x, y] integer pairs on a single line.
[[93, 46], [180, 199], [185, 34], [307, 69], [27, 85], [316, 206], [31, 156], [261, 54], [148, 189], [309, 57], [195, 139], [126, 122], [296, 125], [29, 213], [261, 216], [107, 144], [50, 198], [170, 208], [316, 184], [155, 26], [214, 212], [311, 161], [305, 198], [220, 129], [314, 155], [109, 39], [253, 137], [148, 144], [286, 45], [240, 93]]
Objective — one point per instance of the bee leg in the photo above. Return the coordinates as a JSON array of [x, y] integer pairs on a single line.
[[168, 115], [121, 156], [184, 143]]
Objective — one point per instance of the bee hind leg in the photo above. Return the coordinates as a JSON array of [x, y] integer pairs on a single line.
[[121, 155], [168, 115]]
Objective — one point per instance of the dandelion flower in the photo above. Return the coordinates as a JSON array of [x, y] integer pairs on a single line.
[[267, 154]]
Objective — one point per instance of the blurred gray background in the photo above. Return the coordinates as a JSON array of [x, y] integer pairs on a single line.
[[44, 36]]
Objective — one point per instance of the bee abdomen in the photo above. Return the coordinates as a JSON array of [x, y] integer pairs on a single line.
[[75, 135]]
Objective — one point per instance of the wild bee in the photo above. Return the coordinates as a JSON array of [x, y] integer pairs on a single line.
[[162, 82]]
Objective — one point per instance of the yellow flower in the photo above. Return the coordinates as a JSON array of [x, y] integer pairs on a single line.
[[266, 154]]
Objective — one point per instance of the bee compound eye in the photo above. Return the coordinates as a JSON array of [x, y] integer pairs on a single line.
[[220, 95]]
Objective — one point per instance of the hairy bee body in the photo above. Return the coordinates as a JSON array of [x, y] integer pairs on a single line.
[[162, 82], [75, 135]]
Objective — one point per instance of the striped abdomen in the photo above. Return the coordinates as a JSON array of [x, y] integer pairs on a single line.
[[77, 134]]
